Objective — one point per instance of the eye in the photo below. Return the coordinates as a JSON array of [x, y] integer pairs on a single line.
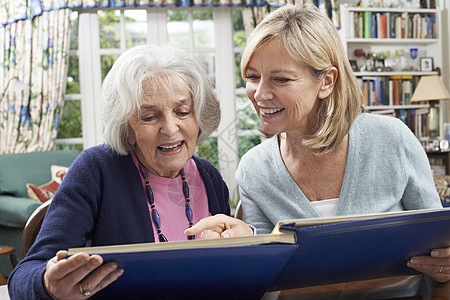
[[149, 117], [183, 110], [281, 79], [252, 77], [183, 113]]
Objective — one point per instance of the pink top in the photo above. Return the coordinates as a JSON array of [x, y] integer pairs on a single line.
[[170, 201]]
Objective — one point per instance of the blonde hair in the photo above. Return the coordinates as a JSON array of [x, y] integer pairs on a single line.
[[122, 91], [312, 40]]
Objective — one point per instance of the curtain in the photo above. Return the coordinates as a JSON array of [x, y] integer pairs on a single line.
[[33, 48]]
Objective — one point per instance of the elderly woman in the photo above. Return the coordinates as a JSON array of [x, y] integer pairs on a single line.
[[157, 105], [324, 157]]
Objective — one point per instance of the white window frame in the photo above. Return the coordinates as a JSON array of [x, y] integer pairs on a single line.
[[89, 55]]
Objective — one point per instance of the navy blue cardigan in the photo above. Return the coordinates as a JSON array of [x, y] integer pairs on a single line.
[[101, 201]]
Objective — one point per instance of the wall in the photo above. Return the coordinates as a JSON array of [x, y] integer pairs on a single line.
[[445, 57]]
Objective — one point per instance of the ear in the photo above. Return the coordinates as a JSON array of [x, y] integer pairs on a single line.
[[328, 81], [131, 136]]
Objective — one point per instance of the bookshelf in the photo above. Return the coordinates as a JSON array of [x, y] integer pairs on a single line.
[[390, 49]]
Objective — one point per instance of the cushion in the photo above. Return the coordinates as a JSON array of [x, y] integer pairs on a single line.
[[39, 193], [58, 173], [46, 191], [16, 170]]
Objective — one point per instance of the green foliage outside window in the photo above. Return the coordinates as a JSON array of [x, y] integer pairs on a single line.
[[109, 23], [208, 150], [74, 30], [73, 76]]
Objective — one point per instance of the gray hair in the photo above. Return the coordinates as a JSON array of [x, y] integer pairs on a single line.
[[122, 91], [311, 39]]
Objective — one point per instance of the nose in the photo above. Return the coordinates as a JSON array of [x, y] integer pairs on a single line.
[[263, 91], [170, 126]]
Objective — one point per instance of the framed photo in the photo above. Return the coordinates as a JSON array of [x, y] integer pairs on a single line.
[[426, 64], [379, 65], [354, 65]]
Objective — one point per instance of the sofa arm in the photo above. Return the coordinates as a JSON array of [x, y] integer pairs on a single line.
[[15, 211]]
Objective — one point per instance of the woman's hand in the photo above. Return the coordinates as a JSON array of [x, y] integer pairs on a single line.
[[219, 226], [65, 278], [437, 266]]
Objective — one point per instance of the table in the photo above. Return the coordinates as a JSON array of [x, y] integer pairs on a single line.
[[441, 155], [330, 291], [383, 288]]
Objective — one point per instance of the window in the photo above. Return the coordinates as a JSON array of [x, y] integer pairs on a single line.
[[214, 36], [70, 130]]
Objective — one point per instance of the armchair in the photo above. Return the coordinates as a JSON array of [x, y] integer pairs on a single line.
[[16, 170]]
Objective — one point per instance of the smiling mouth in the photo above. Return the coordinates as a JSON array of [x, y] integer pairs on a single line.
[[270, 111], [168, 148]]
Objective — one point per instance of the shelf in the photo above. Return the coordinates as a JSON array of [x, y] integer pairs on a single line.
[[383, 87], [403, 73], [408, 106], [395, 10], [389, 41]]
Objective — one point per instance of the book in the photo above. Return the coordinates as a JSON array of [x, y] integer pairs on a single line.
[[298, 253], [232, 268], [361, 248], [367, 15], [382, 25], [421, 123]]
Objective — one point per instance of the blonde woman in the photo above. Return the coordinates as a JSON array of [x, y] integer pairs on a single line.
[[324, 156]]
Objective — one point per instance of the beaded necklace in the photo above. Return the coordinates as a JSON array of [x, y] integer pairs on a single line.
[[151, 200]]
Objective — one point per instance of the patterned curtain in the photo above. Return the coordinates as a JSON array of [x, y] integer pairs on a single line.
[[34, 50]]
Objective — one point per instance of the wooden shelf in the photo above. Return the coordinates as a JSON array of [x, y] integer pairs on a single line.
[[402, 73], [409, 106], [388, 41]]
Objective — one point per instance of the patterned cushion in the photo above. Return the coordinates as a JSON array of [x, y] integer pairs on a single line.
[[46, 191]]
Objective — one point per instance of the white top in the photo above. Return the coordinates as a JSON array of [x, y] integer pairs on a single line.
[[326, 208]]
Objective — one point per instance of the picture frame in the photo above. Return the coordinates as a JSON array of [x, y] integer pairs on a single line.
[[426, 64], [354, 65], [379, 65]]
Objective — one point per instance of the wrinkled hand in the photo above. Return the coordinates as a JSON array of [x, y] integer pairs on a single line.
[[65, 278], [436, 265], [218, 226]]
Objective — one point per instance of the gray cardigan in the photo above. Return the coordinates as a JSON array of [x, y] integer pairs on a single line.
[[386, 170]]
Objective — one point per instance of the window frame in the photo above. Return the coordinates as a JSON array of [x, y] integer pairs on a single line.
[[89, 61]]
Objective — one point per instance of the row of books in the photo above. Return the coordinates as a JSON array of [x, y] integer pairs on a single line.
[[387, 90], [416, 119], [368, 24]]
